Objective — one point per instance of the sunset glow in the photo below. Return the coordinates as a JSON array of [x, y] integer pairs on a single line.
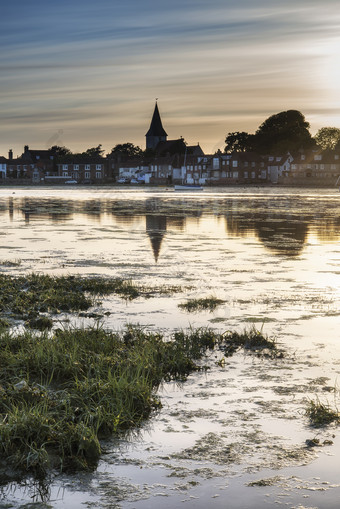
[[82, 73]]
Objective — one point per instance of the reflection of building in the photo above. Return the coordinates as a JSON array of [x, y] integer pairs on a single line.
[[156, 230]]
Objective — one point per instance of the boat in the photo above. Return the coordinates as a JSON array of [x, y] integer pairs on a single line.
[[188, 187]]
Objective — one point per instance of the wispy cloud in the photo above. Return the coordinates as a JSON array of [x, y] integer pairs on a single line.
[[216, 66]]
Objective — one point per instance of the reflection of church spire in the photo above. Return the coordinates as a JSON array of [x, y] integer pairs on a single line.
[[156, 230]]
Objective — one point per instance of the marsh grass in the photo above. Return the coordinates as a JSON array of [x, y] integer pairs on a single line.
[[10, 263], [252, 340], [203, 304], [61, 392], [31, 297], [322, 414]]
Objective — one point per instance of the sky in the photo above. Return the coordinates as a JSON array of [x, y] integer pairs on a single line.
[[79, 73]]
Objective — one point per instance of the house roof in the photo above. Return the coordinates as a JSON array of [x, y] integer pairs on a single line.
[[171, 147], [37, 154], [156, 128]]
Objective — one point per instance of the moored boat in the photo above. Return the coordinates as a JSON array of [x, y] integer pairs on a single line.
[[188, 187]]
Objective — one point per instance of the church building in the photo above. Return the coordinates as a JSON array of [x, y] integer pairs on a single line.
[[156, 133]]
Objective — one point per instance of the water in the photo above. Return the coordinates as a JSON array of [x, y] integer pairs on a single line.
[[273, 256]]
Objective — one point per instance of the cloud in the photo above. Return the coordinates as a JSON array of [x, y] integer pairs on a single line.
[[218, 64]]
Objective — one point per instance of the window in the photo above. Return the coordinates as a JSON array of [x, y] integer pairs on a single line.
[[65, 173], [252, 174], [87, 174], [65, 167], [76, 167], [318, 157], [245, 174], [87, 167], [98, 174], [303, 157], [336, 156], [98, 167], [234, 164], [235, 174]]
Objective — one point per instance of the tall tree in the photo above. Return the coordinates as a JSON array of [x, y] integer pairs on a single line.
[[94, 152], [238, 141], [283, 132], [127, 149], [327, 137], [60, 153]]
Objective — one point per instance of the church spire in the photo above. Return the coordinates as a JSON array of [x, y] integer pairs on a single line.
[[156, 133]]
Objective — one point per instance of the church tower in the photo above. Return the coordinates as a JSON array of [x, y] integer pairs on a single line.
[[156, 132]]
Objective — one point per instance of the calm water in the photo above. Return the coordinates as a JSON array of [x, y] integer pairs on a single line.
[[273, 256]]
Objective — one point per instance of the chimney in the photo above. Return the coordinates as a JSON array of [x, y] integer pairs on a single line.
[[26, 148], [10, 154]]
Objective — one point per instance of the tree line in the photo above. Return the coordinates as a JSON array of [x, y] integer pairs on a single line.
[[287, 131]]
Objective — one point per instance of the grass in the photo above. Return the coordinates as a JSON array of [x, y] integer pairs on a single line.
[[10, 263], [203, 304], [31, 297], [252, 340], [62, 392], [321, 414]]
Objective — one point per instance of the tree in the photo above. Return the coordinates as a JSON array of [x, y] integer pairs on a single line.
[[60, 153], [328, 137], [127, 150], [94, 152], [283, 132], [238, 142]]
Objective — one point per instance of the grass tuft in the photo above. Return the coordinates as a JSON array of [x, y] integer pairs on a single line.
[[252, 340], [321, 414], [203, 304]]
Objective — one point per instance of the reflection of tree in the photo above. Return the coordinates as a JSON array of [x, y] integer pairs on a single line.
[[280, 222], [277, 224], [282, 236], [156, 230]]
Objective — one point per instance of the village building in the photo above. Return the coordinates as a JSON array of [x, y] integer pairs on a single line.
[[87, 172], [237, 168], [315, 167], [3, 167], [278, 167], [31, 165]]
